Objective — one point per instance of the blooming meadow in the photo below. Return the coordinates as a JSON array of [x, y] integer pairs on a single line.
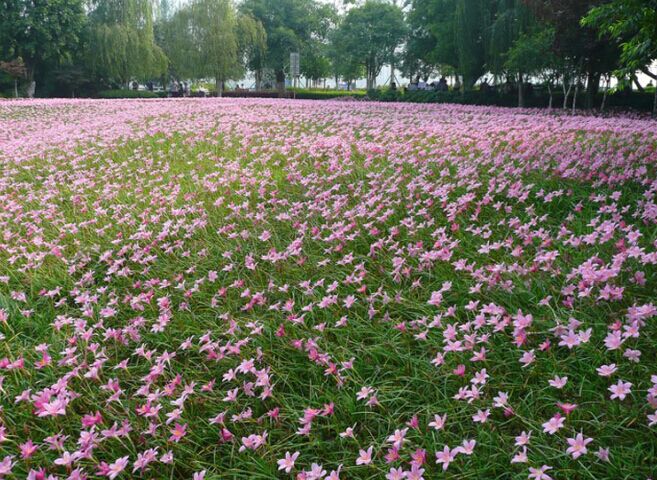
[[204, 288]]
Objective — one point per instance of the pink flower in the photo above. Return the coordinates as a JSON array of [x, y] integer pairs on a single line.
[[620, 390], [178, 432], [607, 370], [481, 416], [577, 445], [364, 457], [467, 447], [27, 449], [445, 457], [603, 454], [438, 422], [348, 433], [397, 439], [523, 439], [539, 473], [558, 382], [396, 474], [6, 465], [520, 457], [115, 469], [554, 424], [287, 463]]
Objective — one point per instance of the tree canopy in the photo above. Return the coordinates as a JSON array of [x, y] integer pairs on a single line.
[[121, 41], [105, 43], [41, 32], [369, 36]]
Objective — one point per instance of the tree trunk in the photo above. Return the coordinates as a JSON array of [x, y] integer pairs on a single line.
[[220, 86], [258, 79], [638, 85], [280, 81], [15, 87], [566, 93], [31, 84], [521, 96], [31, 89], [575, 96], [371, 79], [654, 102], [549, 93], [592, 88], [604, 95]]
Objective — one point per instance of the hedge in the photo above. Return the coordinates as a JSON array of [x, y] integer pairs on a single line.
[[538, 99], [111, 94]]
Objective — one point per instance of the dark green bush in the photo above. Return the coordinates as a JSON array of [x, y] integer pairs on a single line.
[[537, 99], [327, 94], [110, 94]]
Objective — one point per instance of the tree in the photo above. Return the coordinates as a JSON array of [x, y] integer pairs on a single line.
[[122, 42], [582, 49], [290, 26], [15, 69], [370, 34], [39, 32], [315, 65], [208, 38], [252, 42], [459, 34], [509, 45], [214, 40], [634, 24], [418, 60], [531, 54], [472, 21]]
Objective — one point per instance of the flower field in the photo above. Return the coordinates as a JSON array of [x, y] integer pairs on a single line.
[[270, 289]]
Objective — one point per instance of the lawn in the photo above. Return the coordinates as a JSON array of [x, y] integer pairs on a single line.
[[259, 289]]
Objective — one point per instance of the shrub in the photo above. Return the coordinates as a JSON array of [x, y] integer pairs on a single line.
[[109, 94]]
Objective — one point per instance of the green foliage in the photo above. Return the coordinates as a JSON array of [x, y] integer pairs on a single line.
[[634, 24], [531, 53], [641, 102], [209, 39], [251, 39], [40, 32], [122, 44], [125, 93], [290, 26], [466, 37], [309, 94], [369, 36]]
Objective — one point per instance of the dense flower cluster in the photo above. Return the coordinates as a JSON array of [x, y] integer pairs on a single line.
[[324, 290]]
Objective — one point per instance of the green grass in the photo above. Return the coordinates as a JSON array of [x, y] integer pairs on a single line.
[[392, 361]]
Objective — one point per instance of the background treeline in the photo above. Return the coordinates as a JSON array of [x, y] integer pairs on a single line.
[[569, 50]]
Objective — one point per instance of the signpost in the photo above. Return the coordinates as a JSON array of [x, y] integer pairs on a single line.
[[294, 70]]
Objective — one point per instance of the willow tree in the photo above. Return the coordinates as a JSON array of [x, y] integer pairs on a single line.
[[472, 22], [252, 43], [122, 44], [208, 38], [509, 34], [456, 32]]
